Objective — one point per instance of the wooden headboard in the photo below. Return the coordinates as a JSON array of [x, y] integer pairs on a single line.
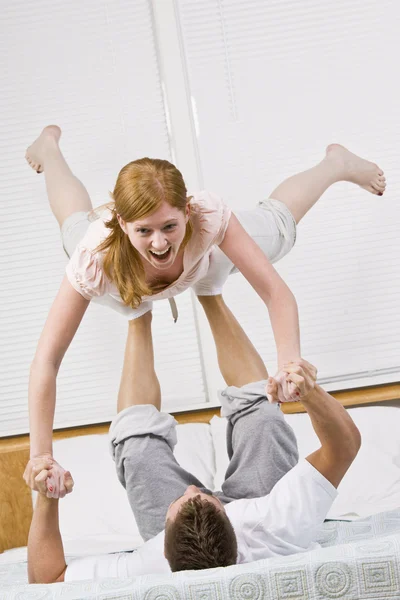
[[16, 498]]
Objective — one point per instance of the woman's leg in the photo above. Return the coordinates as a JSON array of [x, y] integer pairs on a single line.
[[139, 383], [238, 360], [66, 193], [300, 192], [272, 228]]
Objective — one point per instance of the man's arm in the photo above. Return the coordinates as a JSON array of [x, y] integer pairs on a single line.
[[340, 439], [46, 560], [248, 257]]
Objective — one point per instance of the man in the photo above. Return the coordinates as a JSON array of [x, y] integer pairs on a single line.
[[269, 505]]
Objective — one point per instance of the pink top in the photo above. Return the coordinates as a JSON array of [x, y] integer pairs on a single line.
[[210, 218]]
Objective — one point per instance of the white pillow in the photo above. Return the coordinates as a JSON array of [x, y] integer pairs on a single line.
[[195, 451], [371, 485], [97, 515], [218, 432]]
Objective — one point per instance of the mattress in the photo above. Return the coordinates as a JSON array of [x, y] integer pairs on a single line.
[[358, 560]]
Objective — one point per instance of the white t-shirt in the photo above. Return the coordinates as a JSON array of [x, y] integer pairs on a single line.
[[284, 522]]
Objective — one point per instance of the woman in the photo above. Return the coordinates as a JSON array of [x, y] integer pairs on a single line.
[[152, 243]]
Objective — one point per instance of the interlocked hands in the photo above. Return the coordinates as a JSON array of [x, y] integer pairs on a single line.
[[292, 383], [44, 475]]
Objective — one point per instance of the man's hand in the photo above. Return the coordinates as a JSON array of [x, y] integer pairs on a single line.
[[292, 383], [44, 475]]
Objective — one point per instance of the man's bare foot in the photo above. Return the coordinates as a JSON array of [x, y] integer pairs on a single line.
[[36, 152], [357, 170]]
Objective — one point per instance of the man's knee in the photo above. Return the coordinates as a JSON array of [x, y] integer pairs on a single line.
[[142, 420], [258, 414], [262, 427]]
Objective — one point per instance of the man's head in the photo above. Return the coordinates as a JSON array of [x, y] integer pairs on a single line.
[[198, 533]]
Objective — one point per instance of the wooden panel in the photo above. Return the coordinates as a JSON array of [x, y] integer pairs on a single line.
[[15, 499], [380, 393], [15, 496]]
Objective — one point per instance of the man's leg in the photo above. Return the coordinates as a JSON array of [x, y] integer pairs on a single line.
[[139, 383], [238, 360], [142, 438], [261, 445]]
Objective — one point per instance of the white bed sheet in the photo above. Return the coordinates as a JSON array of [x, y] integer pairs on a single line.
[[358, 560], [84, 546]]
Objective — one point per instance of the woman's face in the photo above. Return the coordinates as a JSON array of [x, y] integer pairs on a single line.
[[158, 236]]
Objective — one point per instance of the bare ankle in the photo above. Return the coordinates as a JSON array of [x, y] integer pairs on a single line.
[[46, 143], [355, 169], [143, 321]]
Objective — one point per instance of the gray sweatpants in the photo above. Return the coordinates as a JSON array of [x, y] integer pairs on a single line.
[[261, 447]]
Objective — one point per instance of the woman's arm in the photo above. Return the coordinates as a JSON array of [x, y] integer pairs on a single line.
[[243, 251], [64, 318]]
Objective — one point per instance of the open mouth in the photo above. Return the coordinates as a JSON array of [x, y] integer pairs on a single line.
[[162, 257]]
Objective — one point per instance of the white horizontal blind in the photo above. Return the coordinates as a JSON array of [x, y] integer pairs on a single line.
[[92, 68], [272, 84]]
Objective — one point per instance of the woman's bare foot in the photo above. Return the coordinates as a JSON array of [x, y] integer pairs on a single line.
[[35, 154], [357, 170]]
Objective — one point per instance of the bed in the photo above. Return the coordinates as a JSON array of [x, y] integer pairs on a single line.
[[359, 556]]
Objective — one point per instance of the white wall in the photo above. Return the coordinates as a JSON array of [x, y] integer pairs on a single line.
[[240, 95]]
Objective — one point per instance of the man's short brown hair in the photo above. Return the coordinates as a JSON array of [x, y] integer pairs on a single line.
[[200, 537]]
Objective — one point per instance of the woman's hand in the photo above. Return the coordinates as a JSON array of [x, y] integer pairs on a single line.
[[44, 475], [292, 383]]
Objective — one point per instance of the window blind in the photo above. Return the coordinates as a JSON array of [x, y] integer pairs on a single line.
[[272, 84], [92, 68]]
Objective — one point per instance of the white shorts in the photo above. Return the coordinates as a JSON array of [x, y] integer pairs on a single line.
[[73, 230], [270, 224], [272, 227]]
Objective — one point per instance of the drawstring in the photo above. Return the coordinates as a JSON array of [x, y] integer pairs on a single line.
[[174, 309]]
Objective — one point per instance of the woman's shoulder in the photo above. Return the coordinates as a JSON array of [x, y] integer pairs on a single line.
[[206, 201], [97, 231], [85, 267], [210, 215]]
